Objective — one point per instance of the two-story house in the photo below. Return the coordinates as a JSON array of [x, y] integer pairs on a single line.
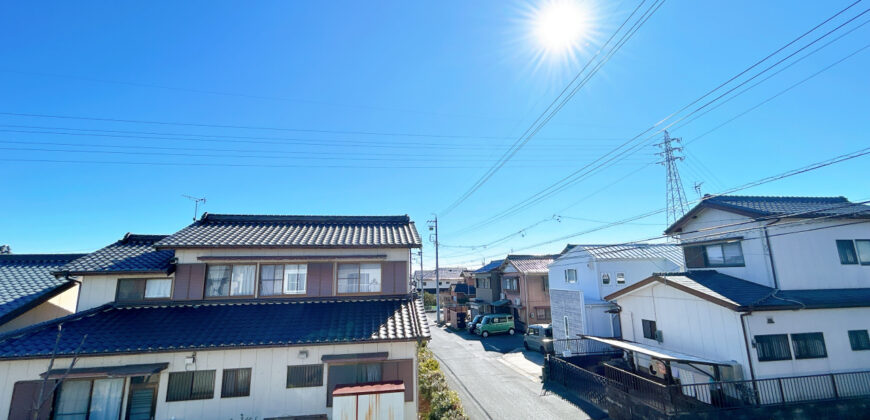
[[584, 274], [487, 283], [253, 315], [30, 293], [776, 286], [447, 276], [525, 288]]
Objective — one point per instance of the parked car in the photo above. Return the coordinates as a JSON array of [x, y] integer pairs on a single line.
[[472, 326], [539, 337], [496, 324]]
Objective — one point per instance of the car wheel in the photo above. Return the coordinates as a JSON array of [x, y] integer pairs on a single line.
[[511, 331], [485, 334], [542, 350]]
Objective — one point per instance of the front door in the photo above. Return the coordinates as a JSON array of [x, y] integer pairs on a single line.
[[142, 399]]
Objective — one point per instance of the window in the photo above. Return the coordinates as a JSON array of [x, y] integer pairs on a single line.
[[236, 383], [230, 280], [570, 275], [809, 345], [859, 339], [511, 284], [620, 278], [725, 254], [534, 331], [545, 283], [302, 376], [95, 399], [359, 278], [194, 385], [542, 313], [142, 289], [772, 347], [289, 279], [355, 374], [567, 331], [854, 252], [649, 329], [605, 278]]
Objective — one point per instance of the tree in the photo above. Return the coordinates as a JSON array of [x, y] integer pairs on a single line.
[[43, 397]]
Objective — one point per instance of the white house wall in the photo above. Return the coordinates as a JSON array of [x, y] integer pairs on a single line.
[[98, 290], [833, 323], [809, 259], [634, 270], [61, 305], [269, 395], [688, 324]]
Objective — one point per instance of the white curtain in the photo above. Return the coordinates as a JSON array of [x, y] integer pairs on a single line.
[[243, 280], [158, 288], [106, 399], [73, 401]]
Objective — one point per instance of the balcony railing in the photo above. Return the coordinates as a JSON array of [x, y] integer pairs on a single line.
[[583, 347]]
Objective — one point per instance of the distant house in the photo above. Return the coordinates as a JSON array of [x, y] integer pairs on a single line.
[[776, 286], [525, 288], [447, 276], [30, 293], [584, 274], [487, 283], [256, 315], [461, 292]]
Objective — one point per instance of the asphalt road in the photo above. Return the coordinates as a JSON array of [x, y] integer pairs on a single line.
[[496, 379]]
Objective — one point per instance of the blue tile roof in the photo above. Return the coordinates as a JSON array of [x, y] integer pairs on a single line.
[[489, 267], [793, 207], [132, 254], [26, 280], [742, 295], [221, 324]]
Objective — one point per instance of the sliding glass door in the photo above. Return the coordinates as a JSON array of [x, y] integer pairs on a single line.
[[90, 399]]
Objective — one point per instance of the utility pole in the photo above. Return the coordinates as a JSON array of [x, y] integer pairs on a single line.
[[420, 285], [676, 196], [433, 226]]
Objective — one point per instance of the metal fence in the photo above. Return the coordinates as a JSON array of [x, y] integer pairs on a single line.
[[580, 346], [780, 390], [652, 393], [589, 385]]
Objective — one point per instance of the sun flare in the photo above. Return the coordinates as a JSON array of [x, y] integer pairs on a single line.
[[561, 26]]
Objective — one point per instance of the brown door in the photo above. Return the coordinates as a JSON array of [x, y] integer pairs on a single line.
[[142, 399]]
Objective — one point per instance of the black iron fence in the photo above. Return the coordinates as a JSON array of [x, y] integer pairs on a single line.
[[580, 346], [589, 385]]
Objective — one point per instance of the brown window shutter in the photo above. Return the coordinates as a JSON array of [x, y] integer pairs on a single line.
[[401, 370], [320, 279], [388, 278], [401, 276], [24, 396], [181, 286], [196, 287]]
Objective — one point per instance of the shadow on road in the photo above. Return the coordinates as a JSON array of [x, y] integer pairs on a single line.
[[502, 343], [590, 410]]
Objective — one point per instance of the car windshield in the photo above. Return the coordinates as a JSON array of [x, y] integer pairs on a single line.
[[476, 319], [548, 332], [485, 321]]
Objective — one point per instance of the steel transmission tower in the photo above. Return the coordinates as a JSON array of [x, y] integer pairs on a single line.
[[676, 196]]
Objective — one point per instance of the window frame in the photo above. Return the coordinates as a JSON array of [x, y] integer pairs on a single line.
[[861, 342], [245, 389], [855, 249], [649, 325], [757, 346], [545, 283], [569, 279], [91, 382], [700, 251], [359, 273], [306, 384], [546, 311], [605, 279], [795, 347], [142, 288], [230, 287], [283, 293], [190, 395], [620, 275], [511, 281]]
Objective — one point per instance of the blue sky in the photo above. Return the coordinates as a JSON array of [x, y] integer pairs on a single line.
[[394, 108]]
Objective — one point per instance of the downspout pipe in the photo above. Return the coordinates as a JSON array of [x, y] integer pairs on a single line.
[[770, 253], [746, 339]]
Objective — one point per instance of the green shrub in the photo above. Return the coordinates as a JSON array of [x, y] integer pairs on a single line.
[[428, 299], [438, 401]]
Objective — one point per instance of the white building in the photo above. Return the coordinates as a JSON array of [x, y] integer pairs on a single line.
[[263, 316], [584, 274], [447, 276], [777, 286]]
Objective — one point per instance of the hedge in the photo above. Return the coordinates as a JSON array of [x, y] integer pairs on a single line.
[[437, 400]]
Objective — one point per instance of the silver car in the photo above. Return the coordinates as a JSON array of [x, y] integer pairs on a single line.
[[539, 337]]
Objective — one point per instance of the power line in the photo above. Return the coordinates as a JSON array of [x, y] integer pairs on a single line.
[[584, 172], [554, 107]]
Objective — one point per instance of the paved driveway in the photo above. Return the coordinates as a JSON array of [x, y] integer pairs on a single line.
[[497, 379]]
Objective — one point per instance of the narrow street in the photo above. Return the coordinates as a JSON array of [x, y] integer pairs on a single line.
[[496, 378]]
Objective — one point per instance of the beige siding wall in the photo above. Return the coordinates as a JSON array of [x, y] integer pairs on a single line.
[[56, 307], [99, 290], [269, 395]]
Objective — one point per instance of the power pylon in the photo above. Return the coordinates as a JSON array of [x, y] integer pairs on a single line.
[[676, 196]]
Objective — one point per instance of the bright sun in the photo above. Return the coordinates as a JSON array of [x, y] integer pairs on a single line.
[[561, 26]]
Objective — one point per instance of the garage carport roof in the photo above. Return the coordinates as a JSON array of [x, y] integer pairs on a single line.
[[664, 355]]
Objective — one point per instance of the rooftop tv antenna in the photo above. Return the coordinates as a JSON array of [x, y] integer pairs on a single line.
[[196, 201]]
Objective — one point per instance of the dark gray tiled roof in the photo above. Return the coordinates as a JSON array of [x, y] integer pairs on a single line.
[[531, 263], [221, 324], [233, 231], [792, 207], [132, 254], [444, 273], [742, 295], [26, 280]]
